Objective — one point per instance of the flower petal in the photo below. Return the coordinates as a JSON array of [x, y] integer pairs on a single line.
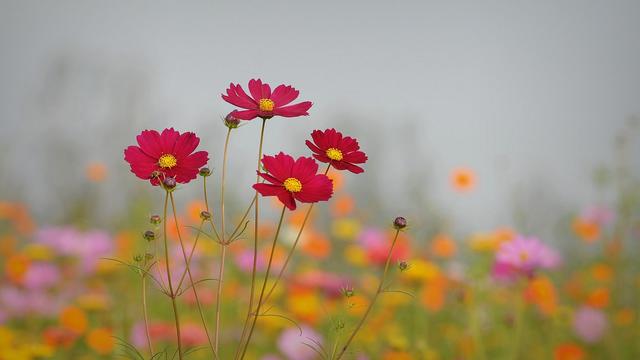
[[299, 109]]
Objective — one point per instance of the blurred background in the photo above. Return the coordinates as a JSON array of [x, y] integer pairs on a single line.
[[481, 120], [530, 96]]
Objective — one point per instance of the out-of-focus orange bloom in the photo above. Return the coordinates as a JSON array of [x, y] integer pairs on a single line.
[[101, 340], [96, 172], [569, 351], [602, 272], [16, 267], [305, 305], [443, 246], [316, 245], [599, 298], [194, 208], [58, 337], [541, 292], [296, 217], [338, 179], [342, 205], [574, 287], [73, 319], [434, 293], [7, 245], [397, 355], [587, 231], [504, 234], [463, 179], [357, 304], [172, 231], [124, 243], [624, 317], [18, 215]]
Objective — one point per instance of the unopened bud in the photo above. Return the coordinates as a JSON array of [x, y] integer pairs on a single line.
[[403, 265], [205, 215], [149, 235], [169, 183], [231, 121], [137, 258], [400, 223], [205, 172], [155, 219]]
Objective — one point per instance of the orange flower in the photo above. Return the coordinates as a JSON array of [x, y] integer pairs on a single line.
[[599, 298], [542, 293], [73, 319], [16, 267], [101, 340], [602, 272], [338, 180], [568, 351], [194, 208], [587, 231], [463, 179], [96, 172], [342, 205], [443, 246], [316, 245], [58, 337], [433, 294]]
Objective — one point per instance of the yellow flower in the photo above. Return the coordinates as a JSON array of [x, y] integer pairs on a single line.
[[421, 270], [38, 252], [355, 255], [345, 229]]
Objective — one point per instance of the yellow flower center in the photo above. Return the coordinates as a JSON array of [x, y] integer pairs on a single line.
[[266, 105], [167, 161], [292, 185], [334, 154]]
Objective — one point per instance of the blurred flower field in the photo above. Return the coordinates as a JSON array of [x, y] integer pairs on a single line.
[[72, 291]]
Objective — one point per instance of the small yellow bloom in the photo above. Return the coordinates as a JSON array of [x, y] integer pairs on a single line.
[[345, 229]]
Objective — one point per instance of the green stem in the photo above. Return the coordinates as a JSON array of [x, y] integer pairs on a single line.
[[144, 312], [255, 243], [172, 294], [193, 285], [224, 241], [375, 297], [264, 283], [519, 324]]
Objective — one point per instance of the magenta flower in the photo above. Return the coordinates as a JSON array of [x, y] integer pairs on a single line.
[[41, 275], [263, 103]]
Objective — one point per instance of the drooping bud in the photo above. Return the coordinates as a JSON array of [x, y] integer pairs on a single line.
[[400, 223], [231, 121], [205, 172], [155, 219], [149, 235], [169, 183]]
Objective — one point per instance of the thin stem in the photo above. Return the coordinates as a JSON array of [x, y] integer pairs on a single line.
[[172, 294], [193, 248], [255, 243], [264, 283], [206, 205], [375, 297], [193, 286], [520, 307], [293, 247], [144, 312], [223, 243]]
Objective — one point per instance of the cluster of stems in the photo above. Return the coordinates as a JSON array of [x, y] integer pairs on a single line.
[[257, 299]]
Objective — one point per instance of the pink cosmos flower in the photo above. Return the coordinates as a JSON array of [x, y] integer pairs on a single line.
[[589, 324], [523, 256], [263, 103], [292, 344]]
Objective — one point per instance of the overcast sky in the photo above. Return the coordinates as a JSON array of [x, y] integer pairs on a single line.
[[527, 93]]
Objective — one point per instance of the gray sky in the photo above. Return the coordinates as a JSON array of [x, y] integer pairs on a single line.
[[527, 93]]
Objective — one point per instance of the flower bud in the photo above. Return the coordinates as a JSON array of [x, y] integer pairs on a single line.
[[169, 183], [155, 219], [403, 265], [348, 292], [205, 215], [149, 235], [400, 223], [137, 258], [231, 121], [205, 172]]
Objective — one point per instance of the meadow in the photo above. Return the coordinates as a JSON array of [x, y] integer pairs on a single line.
[[305, 269]]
